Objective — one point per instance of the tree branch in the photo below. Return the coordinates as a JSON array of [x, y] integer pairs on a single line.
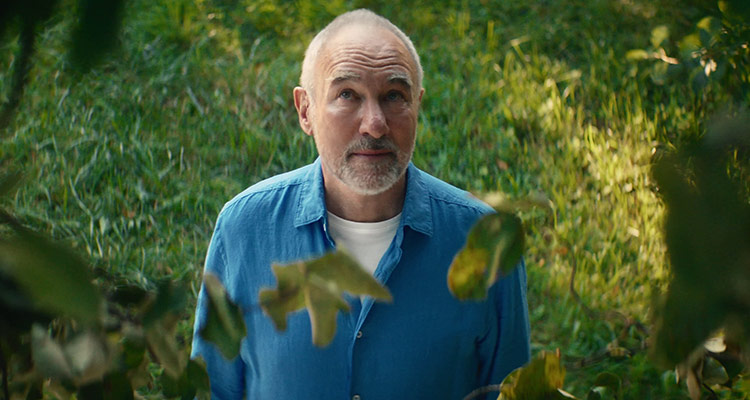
[[482, 390], [4, 365]]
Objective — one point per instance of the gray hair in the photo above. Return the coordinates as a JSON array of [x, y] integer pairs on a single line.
[[356, 17]]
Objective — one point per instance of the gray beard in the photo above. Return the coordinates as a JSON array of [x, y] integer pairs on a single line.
[[376, 180]]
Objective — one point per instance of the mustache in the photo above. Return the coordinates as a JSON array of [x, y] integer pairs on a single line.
[[370, 143]]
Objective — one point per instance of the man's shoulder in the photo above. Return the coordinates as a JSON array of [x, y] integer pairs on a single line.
[[268, 191], [451, 196]]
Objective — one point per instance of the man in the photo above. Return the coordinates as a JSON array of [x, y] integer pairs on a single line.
[[361, 87]]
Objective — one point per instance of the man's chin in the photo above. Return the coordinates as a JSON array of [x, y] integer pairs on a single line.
[[371, 182]]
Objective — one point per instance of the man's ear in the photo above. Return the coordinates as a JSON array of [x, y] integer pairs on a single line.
[[421, 93], [302, 103]]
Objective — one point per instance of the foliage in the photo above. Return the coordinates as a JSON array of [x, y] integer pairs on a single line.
[[130, 163], [62, 335], [493, 248], [319, 286], [95, 34], [224, 324], [717, 51], [541, 379], [708, 237]]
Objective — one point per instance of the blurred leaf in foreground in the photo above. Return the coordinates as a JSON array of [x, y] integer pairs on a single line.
[[162, 344], [493, 248], [707, 233], [193, 381], [319, 285], [54, 278], [224, 324], [98, 25], [541, 379]]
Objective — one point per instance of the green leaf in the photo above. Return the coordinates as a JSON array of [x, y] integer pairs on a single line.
[[709, 24], [323, 305], [607, 385], [54, 278], [637, 55], [288, 297], [133, 348], [659, 73], [98, 26], [17, 311], [117, 387], [127, 294], [193, 379], [593, 395], [735, 10], [689, 44], [541, 379], [659, 35], [170, 298], [609, 380], [196, 373], [319, 285], [493, 248], [713, 372], [225, 326], [341, 273], [707, 232], [163, 345], [113, 387], [181, 387]]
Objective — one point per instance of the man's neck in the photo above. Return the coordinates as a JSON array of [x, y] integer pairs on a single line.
[[347, 204]]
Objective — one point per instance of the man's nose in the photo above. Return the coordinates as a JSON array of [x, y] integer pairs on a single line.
[[373, 120]]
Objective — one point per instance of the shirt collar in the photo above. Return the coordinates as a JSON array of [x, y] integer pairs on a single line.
[[311, 204], [417, 211]]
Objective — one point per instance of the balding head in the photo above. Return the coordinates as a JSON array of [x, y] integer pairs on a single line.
[[362, 18]]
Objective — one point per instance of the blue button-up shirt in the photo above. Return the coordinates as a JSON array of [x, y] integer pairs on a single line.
[[423, 345]]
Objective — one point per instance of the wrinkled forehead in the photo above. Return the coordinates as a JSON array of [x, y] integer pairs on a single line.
[[363, 47]]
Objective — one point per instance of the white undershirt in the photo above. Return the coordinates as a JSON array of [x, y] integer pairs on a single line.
[[365, 241]]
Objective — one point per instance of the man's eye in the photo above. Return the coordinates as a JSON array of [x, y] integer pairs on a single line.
[[394, 96], [346, 94]]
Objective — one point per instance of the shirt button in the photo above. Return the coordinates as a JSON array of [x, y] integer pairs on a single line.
[[356, 397], [359, 336]]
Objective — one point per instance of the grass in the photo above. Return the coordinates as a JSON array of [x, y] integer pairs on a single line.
[[131, 163]]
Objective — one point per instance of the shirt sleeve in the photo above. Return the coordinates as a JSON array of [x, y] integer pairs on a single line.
[[226, 376], [506, 345]]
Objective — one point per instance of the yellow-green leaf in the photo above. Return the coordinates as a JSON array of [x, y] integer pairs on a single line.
[[541, 379], [659, 35], [318, 285], [637, 55], [493, 248]]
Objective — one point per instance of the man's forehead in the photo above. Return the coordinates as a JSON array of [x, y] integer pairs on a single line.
[[357, 47], [396, 76]]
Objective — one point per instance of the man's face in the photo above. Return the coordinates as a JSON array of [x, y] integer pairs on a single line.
[[363, 114]]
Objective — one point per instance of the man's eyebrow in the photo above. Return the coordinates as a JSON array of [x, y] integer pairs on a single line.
[[400, 79], [344, 76]]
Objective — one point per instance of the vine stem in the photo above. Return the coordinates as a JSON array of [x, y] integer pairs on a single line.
[[482, 390], [4, 365], [20, 74]]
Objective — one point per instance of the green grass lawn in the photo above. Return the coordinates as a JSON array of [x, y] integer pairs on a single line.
[[131, 163]]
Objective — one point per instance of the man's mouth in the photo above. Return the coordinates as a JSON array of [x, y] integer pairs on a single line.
[[371, 153]]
